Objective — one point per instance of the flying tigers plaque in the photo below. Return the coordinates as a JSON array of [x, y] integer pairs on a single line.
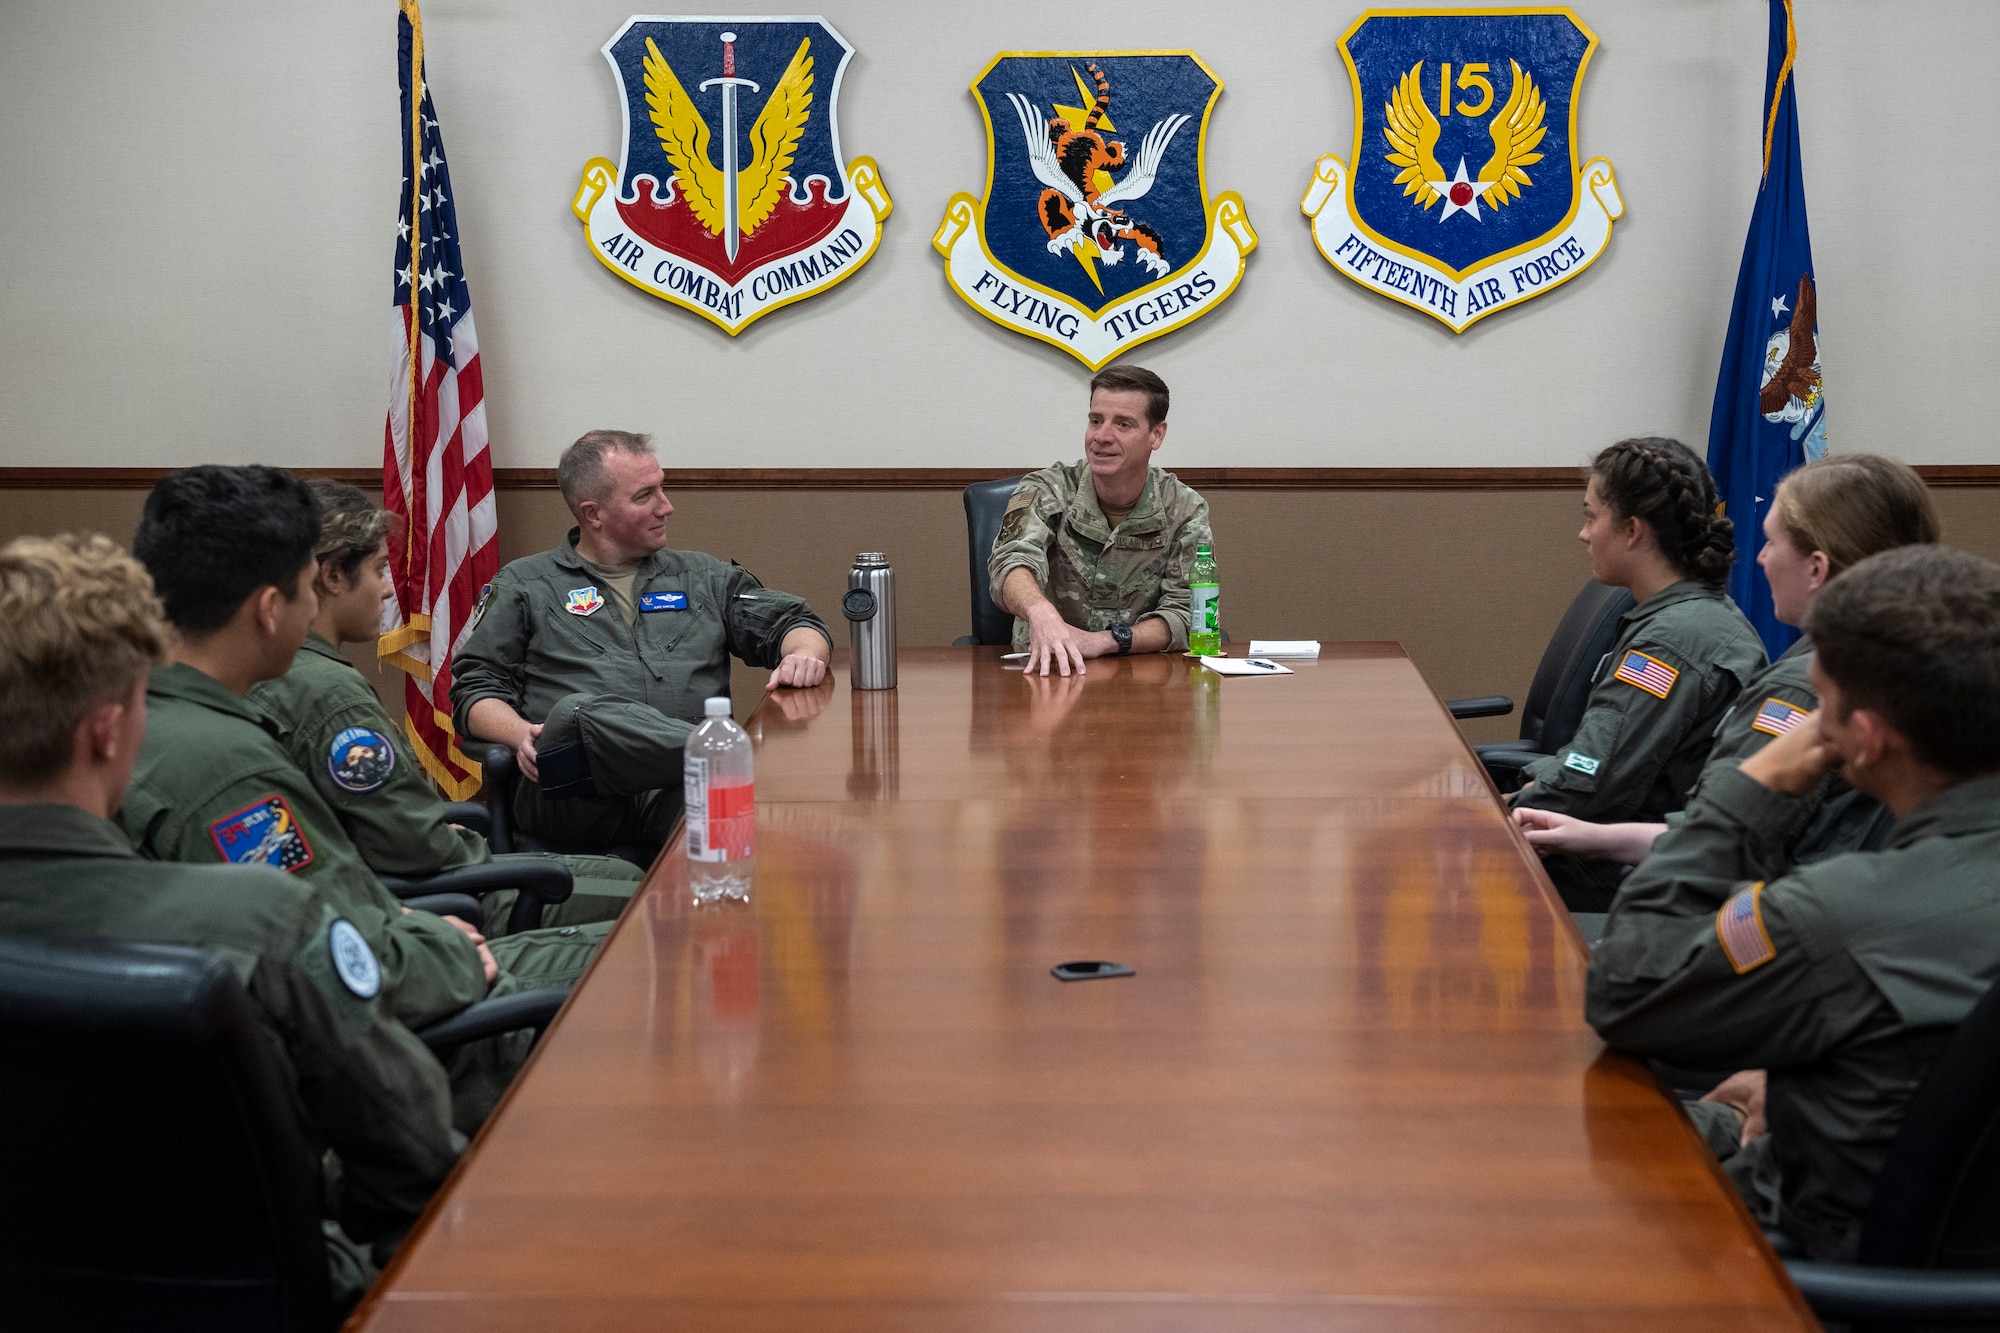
[[1463, 195], [731, 197], [1096, 232]]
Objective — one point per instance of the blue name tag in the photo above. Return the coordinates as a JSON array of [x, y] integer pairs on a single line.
[[663, 601]]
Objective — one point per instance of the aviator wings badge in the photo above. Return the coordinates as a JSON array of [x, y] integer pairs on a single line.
[[732, 198], [1096, 232], [1465, 196]]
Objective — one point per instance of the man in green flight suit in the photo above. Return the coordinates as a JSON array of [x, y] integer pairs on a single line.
[[592, 660], [1093, 557], [338, 733], [1834, 985], [79, 631], [230, 550]]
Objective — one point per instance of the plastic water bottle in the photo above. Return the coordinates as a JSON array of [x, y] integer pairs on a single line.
[[1205, 587], [721, 807]]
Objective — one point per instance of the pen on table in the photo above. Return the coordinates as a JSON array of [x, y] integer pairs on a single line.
[[1261, 664], [1012, 657]]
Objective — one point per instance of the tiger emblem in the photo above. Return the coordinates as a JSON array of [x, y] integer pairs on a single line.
[[1074, 161]]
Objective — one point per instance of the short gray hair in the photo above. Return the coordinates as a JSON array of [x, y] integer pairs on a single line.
[[580, 474]]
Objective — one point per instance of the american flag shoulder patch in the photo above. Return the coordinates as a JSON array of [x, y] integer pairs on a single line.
[[1740, 927], [1777, 717], [1648, 673]]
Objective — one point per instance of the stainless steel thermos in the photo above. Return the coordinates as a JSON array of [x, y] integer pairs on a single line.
[[870, 608]]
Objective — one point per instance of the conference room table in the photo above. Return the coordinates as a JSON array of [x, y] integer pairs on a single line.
[[1348, 1084]]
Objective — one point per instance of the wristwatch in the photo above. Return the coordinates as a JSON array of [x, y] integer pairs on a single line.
[[1123, 635]]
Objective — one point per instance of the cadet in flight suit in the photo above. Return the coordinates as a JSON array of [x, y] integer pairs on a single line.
[[1681, 658], [1843, 978], [1826, 517], [592, 660], [1093, 557], [213, 781], [338, 733], [82, 612]]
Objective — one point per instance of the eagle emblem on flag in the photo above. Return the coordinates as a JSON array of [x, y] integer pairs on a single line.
[[1409, 214], [1096, 232], [731, 198]]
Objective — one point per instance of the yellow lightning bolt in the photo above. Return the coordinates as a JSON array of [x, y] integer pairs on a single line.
[[1076, 117]]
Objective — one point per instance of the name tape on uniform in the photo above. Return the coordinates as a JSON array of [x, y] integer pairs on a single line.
[[663, 601]]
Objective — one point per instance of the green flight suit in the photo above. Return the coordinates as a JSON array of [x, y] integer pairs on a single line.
[[615, 701], [1841, 978], [1680, 661], [213, 783], [340, 736], [361, 1084], [1098, 578], [1843, 820]]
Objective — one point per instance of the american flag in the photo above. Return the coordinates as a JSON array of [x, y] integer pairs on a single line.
[[1777, 717], [1740, 927], [1648, 673], [436, 471]]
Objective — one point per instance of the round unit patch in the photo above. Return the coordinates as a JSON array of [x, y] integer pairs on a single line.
[[360, 759], [354, 960]]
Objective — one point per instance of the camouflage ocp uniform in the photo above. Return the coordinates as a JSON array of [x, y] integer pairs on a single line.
[[1098, 578]]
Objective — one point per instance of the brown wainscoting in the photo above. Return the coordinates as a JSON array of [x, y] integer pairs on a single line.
[[954, 478]]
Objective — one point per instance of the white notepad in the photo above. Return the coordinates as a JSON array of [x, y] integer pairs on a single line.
[[1284, 647], [1244, 666]]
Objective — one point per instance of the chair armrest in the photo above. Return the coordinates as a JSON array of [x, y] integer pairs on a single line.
[[499, 775], [1486, 705], [488, 1018], [1504, 762], [541, 880], [470, 814], [461, 905], [1851, 1291], [964, 641]]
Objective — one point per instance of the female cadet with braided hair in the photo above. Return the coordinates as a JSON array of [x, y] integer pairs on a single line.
[[1826, 517], [1683, 654]]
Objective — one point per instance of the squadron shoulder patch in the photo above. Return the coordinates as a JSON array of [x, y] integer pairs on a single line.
[[360, 759], [1648, 673], [1740, 927], [479, 607], [353, 961], [584, 601], [1777, 717], [264, 834]]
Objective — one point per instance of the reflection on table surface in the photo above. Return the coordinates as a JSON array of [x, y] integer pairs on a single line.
[[1349, 1084]]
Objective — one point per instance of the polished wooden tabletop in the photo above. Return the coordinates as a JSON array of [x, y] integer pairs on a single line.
[[1349, 1086]]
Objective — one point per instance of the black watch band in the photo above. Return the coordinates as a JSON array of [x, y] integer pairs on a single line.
[[1123, 634]]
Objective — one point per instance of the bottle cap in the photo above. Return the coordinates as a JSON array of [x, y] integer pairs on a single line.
[[870, 558], [1202, 550], [716, 707]]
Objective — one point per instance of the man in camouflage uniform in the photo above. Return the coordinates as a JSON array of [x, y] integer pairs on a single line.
[[1834, 984], [1092, 558], [79, 630], [592, 660]]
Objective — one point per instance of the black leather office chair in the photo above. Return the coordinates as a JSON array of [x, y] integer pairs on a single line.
[[1930, 1244], [154, 1174], [985, 504], [539, 883], [1561, 687]]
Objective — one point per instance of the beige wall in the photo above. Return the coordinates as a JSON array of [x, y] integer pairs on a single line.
[[1471, 582], [195, 244]]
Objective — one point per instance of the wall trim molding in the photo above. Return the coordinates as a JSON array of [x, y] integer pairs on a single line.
[[953, 478]]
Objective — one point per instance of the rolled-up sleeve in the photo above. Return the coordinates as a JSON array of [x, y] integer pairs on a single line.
[[492, 662], [758, 618], [1023, 540]]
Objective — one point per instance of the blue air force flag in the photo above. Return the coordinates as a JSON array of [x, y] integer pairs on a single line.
[[1769, 415]]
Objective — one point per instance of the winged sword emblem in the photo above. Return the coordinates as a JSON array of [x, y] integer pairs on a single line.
[[774, 139]]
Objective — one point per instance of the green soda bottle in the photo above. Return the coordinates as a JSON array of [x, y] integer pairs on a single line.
[[1205, 626]]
